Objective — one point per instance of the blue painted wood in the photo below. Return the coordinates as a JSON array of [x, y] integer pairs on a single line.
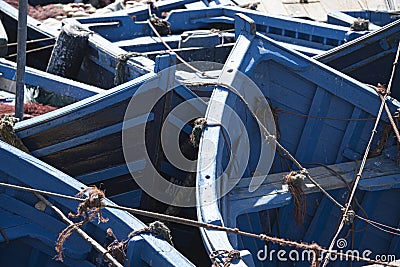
[[49, 82], [303, 86], [112, 172], [345, 19], [118, 34], [378, 17], [84, 139], [368, 59], [92, 136], [33, 232]]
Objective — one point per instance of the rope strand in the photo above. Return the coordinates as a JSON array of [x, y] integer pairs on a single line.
[[32, 50], [85, 236], [359, 174], [193, 223], [29, 41]]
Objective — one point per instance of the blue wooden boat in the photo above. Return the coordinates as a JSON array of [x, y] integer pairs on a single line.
[[323, 118], [188, 27], [118, 36], [84, 140], [368, 59], [93, 153], [29, 229]]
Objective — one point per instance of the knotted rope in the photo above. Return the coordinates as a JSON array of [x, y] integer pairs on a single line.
[[120, 68], [360, 25], [8, 134], [199, 125], [349, 217], [118, 248], [227, 256], [295, 182], [162, 26], [89, 209]]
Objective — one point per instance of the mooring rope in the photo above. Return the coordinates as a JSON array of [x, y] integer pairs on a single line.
[[118, 248], [32, 50], [30, 41], [193, 223], [295, 182], [202, 73], [225, 256], [89, 209], [120, 68], [345, 215], [273, 138], [82, 233], [8, 134]]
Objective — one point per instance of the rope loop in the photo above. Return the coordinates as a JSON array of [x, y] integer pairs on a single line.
[[156, 228], [227, 256]]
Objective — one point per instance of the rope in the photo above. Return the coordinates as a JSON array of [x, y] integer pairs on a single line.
[[395, 62], [89, 209], [282, 111], [189, 222], [360, 24], [117, 248], [273, 138], [355, 184], [120, 70], [29, 41], [202, 73], [33, 50], [85, 236], [380, 226], [227, 256], [386, 92], [199, 126], [8, 134], [295, 182], [379, 88], [157, 228]]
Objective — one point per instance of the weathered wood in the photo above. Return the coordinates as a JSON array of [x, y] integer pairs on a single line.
[[375, 167], [69, 51], [3, 41]]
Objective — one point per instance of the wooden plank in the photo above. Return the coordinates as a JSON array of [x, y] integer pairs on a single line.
[[312, 128], [327, 179], [90, 137], [115, 171], [349, 134], [50, 82]]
